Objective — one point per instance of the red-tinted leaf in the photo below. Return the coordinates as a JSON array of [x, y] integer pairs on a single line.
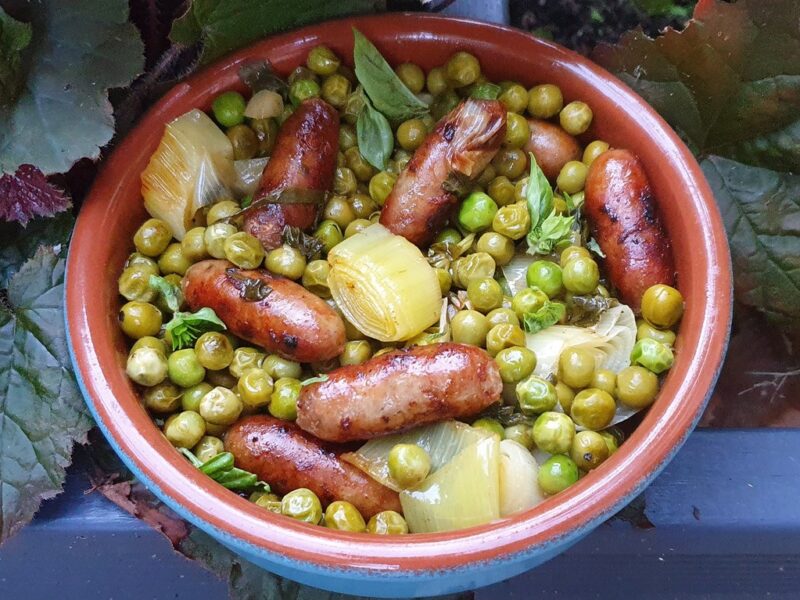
[[27, 194]]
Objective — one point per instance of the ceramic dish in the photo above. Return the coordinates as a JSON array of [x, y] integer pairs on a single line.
[[431, 563]]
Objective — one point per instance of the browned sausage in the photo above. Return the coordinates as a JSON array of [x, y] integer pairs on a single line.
[[626, 224], [287, 458], [461, 145], [398, 391], [552, 147], [267, 310], [304, 158]]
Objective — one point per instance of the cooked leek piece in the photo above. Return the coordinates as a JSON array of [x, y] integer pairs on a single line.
[[383, 285], [519, 488], [248, 173], [611, 340], [442, 441], [463, 493], [192, 167]]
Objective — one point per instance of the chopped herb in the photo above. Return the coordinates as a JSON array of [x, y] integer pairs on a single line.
[[220, 468], [259, 75], [186, 327], [308, 245], [593, 246], [548, 314], [251, 289], [485, 91], [547, 228], [172, 294]]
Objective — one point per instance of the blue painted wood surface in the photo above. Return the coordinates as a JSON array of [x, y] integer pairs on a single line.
[[726, 516]]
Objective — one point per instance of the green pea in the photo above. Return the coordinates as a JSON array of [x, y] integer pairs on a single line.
[[436, 81], [589, 450], [283, 402], [220, 406], [228, 108], [380, 186], [572, 177], [134, 283], [152, 237], [302, 504], [521, 434], [514, 97], [469, 327], [255, 388], [645, 330], [662, 306], [215, 236], [490, 425], [593, 409], [214, 350], [356, 162], [515, 363], [322, 61], [348, 138], [343, 516], [138, 319], [244, 142], [445, 280], [155, 343], [502, 192], [485, 294], [303, 89], [172, 260], [355, 352], [412, 76], [576, 367], [581, 275], [329, 234], [408, 464], [565, 396], [286, 261], [462, 69], [465, 269], [575, 117], [411, 134], [244, 359], [185, 429], [448, 235], [512, 221], [571, 252], [556, 474], [335, 90], [652, 355], [546, 276], [553, 432], [363, 206], [476, 212], [517, 130], [193, 244], [593, 150], [387, 522], [208, 447], [527, 300], [503, 336], [535, 395], [146, 366], [510, 162], [498, 246], [315, 277], [279, 367], [604, 379], [184, 368], [344, 181], [545, 101], [190, 400], [164, 398]]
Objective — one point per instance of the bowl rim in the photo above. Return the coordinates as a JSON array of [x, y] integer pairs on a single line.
[[554, 522]]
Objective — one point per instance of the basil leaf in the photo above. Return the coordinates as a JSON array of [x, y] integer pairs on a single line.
[[485, 91], [375, 138], [172, 294], [386, 90], [186, 327], [539, 194], [548, 314], [593, 246], [550, 232]]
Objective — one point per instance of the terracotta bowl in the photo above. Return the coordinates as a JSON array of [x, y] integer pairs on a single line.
[[419, 564]]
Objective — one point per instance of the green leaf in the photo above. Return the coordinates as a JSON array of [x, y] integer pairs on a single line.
[[79, 51], [225, 25], [729, 83], [172, 294], [387, 92], [538, 193], [593, 246], [42, 414], [318, 379], [761, 211], [186, 327], [375, 138], [548, 314], [554, 229], [14, 38], [20, 243]]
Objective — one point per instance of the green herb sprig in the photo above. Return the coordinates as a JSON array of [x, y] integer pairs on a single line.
[[186, 327], [220, 468]]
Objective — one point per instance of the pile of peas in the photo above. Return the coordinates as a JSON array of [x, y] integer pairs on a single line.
[[195, 394]]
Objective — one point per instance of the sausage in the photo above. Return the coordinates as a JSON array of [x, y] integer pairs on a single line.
[[267, 310], [398, 391], [551, 146], [287, 458], [304, 159], [461, 145], [626, 224]]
